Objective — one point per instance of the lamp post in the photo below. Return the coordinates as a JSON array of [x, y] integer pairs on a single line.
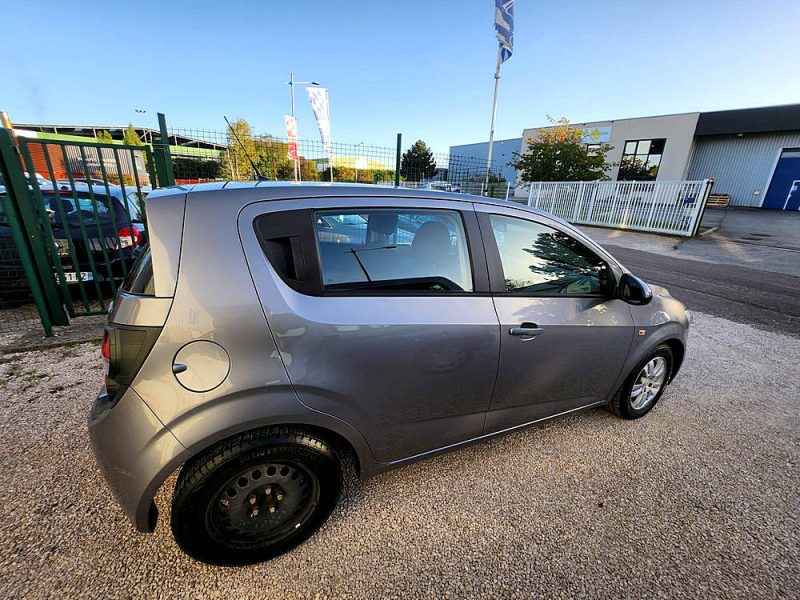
[[292, 83], [356, 159], [141, 112]]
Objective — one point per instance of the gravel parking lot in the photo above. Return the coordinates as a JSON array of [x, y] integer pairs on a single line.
[[700, 498]]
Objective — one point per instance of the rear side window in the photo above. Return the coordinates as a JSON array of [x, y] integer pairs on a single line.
[[393, 250], [140, 277]]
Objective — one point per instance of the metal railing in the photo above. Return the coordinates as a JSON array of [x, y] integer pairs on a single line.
[[673, 207]]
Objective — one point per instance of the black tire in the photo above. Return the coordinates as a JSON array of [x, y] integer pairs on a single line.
[[622, 404], [255, 496]]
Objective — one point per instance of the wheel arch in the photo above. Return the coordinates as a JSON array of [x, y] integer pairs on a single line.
[[228, 416], [678, 353]]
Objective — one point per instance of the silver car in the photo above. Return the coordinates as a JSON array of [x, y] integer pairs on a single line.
[[272, 330]]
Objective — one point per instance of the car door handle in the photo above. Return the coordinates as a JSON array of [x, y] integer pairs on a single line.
[[526, 330]]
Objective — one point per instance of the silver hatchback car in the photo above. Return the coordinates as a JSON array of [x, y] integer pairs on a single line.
[[271, 330]]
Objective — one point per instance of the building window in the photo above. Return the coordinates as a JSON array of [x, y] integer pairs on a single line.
[[641, 159], [592, 149]]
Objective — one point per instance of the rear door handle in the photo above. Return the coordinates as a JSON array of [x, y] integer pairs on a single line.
[[526, 330]]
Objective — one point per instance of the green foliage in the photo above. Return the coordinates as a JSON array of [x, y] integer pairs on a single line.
[[559, 154], [196, 168], [104, 137], [418, 162], [130, 137], [235, 162]]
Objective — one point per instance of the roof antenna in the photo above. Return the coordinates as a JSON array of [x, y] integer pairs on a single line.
[[259, 176]]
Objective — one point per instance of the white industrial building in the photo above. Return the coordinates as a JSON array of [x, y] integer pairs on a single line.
[[752, 154]]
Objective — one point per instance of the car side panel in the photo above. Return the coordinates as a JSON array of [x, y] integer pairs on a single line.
[[410, 373]]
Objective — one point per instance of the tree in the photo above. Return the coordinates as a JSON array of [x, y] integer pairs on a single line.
[[418, 162], [104, 137], [130, 137], [235, 161], [557, 153]]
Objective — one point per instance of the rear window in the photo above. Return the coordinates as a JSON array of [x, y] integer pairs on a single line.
[[140, 279], [78, 207]]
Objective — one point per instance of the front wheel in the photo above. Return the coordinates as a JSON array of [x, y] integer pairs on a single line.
[[255, 496], [645, 385]]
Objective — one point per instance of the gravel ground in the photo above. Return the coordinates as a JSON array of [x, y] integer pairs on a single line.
[[697, 499]]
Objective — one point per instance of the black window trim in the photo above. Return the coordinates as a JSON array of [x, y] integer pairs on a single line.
[[635, 154], [495, 263], [315, 287]]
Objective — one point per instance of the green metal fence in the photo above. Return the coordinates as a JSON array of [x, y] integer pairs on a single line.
[[73, 224]]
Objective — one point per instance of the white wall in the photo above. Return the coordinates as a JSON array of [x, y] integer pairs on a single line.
[[677, 129]]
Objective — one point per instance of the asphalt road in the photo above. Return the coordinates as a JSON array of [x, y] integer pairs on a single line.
[[768, 301]]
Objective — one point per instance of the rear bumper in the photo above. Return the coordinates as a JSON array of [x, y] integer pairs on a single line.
[[135, 453]]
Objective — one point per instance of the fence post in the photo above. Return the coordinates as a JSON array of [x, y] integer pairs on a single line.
[[508, 189], [397, 160], [162, 156], [697, 217], [538, 193], [578, 202], [592, 195], [23, 222]]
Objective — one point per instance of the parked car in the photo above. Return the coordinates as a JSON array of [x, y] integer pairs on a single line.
[[95, 234], [271, 330], [86, 235]]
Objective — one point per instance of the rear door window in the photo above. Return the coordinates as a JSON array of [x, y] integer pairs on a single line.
[[393, 250]]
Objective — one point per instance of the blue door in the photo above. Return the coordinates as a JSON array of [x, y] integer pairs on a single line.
[[784, 189]]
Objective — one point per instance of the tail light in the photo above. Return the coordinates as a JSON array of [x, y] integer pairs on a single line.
[[128, 347], [106, 346], [129, 237]]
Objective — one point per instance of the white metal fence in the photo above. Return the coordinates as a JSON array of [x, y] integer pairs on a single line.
[[674, 207]]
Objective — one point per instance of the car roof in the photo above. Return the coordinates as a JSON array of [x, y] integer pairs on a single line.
[[251, 191]]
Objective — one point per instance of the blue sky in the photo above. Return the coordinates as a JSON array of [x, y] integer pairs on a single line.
[[421, 68]]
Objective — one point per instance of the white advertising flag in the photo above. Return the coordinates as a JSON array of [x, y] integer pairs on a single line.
[[318, 96]]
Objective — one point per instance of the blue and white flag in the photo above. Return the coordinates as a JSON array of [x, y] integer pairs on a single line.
[[504, 24], [318, 96]]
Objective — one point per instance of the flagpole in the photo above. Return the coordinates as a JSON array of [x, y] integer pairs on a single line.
[[494, 114]]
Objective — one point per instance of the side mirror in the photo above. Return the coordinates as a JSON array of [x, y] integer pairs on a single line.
[[633, 290]]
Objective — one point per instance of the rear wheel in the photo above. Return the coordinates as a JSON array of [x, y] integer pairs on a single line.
[[644, 386], [255, 496]]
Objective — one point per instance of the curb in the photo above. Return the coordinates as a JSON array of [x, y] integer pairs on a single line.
[[708, 231]]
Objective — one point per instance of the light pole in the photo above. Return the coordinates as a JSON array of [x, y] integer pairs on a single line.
[[356, 158], [292, 83], [141, 111]]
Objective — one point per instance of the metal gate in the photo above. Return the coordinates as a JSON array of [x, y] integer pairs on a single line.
[[75, 213], [671, 207]]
